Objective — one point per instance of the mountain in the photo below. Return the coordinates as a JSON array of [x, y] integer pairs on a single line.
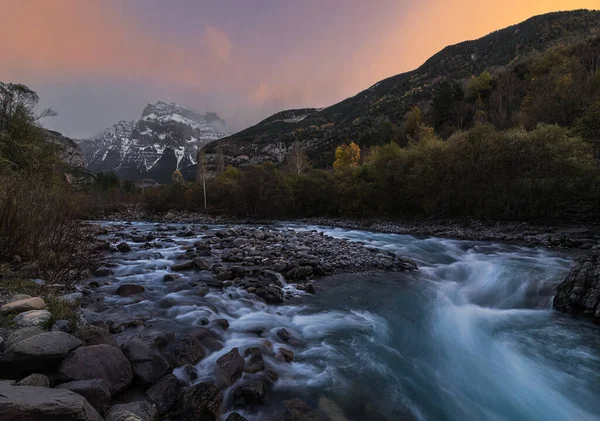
[[166, 138], [321, 130]]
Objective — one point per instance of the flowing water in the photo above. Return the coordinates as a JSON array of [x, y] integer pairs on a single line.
[[470, 336]]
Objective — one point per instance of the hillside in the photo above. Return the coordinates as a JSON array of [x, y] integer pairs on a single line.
[[358, 118]]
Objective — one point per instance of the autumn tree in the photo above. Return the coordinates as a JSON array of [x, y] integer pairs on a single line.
[[296, 161], [177, 178], [346, 157], [412, 122]]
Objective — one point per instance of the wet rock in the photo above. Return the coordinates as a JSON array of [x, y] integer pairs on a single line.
[[22, 334], [32, 318], [229, 367], [134, 411], [95, 335], [201, 402], [226, 275], [123, 247], [102, 272], [170, 277], [201, 290], [30, 403], [250, 394], [186, 349], [579, 293], [27, 304], [126, 290], [99, 362], [94, 391], [272, 294], [239, 242], [214, 283], [147, 363], [43, 351], [286, 354], [177, 267], [201, 264], [234, 416], [222, 323], [284, 335], [254, 360], [34, 380], [309, 288], [164, 393], [73, 298]]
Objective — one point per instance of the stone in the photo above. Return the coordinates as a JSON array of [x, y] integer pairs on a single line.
[[102, 271], [284, 335], [164, 393], [201, 290], [126, 290], [26, 304], [272, 294], [73, 298], [201, 402], [213, 283], [43, 351], [186, 349], [286, 354], [222, 323], [226, 275], [148, 365], [579, 293], [230, 367], [189, 265], [34, 380], [123, 247], [32, 318], [200, 264], [250, 394], [95, 335], [61, 326], [134, 411], [30, 403], [309, 288], [170, 277], [94, 391], [239, 242], [234, 416], [99, 362], [18, 297], [22, 334], [254, 360]]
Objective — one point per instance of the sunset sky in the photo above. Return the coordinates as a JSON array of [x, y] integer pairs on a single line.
[[98, 62]]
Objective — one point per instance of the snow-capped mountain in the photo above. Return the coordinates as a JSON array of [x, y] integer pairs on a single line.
[[166, 138]]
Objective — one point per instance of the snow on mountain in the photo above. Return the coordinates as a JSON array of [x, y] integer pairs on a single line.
[[166, 138]]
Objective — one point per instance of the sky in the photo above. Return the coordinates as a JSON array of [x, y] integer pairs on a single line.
[[96, 62]]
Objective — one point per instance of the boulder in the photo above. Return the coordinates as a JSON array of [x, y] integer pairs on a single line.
[[18, 297], [102, 272], [283, 334], [272, 294], [21, 334], [61, 326], [164, 393], [226, 275], [31, 403], [286, 355], [229, 367], [126, 290], [222, 323], [73, 298], [234, 416], [27, 304], [170, 277], [254, 362], [201, 402], [123, 247], [250, 394], [43, 351], [99, 362], [95, 335], [148, 365], [579, 293], [200, 264], [34, 380], [134, 411], [94, 391], [32, 318], [186, 349], [189, 265]]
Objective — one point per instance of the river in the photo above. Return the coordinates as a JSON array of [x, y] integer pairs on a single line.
[[470, 336]]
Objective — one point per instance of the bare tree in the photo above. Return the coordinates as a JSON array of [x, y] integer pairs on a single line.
[[296, 162], [201, 172], [219, 160]]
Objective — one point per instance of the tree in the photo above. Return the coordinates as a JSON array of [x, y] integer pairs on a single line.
[[480, 86], [412, 122], [219, 160], [346, 157], [296, 161], [201, 173], [177, 178]]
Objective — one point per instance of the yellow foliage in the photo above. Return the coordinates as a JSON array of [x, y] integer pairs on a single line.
[[346, 157]]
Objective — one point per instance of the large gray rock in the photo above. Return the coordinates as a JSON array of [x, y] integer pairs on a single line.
[[164, 393], [230, 367], [21, 334], [134, 411], [40, 352], [579, 293], [96, 335], [94, 391], [27, 304], [30, 403], [32, 318], [34, 380], [148, 365], [99, 362], [201, 402]]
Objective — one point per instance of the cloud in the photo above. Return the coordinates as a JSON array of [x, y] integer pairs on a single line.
[[218, 42]]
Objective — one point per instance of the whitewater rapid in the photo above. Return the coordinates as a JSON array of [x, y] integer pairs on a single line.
[[470, 336]]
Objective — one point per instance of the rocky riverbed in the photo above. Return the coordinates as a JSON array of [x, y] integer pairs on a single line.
[[162, 331]]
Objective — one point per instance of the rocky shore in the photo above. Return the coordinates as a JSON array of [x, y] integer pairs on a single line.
[[579, 293], [115, 365]]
